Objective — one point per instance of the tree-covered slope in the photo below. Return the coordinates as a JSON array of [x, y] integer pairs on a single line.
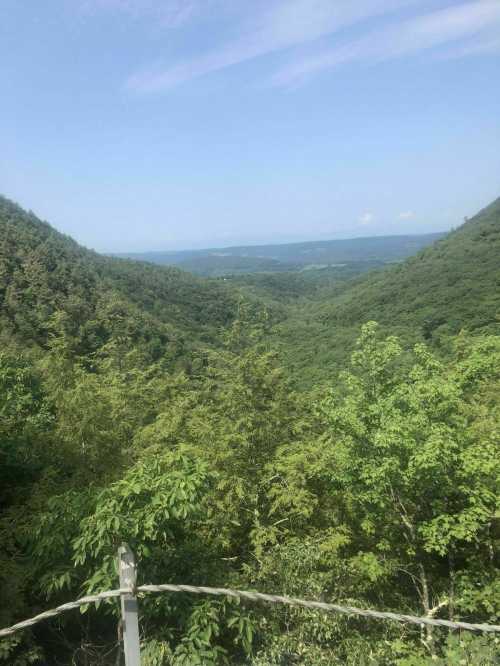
[[43, 272], [451, 285]]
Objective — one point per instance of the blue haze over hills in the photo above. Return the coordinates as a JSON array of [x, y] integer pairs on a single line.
[[367, 252]]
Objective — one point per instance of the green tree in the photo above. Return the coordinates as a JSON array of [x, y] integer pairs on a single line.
[[406, 476]]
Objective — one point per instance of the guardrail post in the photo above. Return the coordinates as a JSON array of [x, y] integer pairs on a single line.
[[130, 621]]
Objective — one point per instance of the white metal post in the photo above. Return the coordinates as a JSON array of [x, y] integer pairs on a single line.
[[130, 622]]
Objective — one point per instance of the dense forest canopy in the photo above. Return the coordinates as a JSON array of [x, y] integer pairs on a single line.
[[257, 432], [48, 280]]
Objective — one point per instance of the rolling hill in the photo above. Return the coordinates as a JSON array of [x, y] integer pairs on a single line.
[[453, 284], [43, 272], [290, 256], [449, 286]]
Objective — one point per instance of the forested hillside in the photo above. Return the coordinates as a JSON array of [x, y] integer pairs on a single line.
[[455, 283], [451, 285], [141, 404], [49, 282]]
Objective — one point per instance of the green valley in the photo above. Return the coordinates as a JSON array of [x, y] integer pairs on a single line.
[[329, 434]]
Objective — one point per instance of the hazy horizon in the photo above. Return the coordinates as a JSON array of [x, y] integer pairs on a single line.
[[211, 248], [204, 244]]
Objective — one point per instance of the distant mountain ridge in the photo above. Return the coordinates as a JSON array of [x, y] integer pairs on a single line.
[[290, 256]]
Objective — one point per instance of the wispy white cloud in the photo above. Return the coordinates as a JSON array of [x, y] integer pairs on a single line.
[[406, 215], [268, 26], [366, 218], [262, 27], [170, 13], [477, 23]]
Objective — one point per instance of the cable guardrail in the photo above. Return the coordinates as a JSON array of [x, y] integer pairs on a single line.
[[128, 592]]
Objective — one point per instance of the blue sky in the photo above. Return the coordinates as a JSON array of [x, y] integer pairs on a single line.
[[167, 124]]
